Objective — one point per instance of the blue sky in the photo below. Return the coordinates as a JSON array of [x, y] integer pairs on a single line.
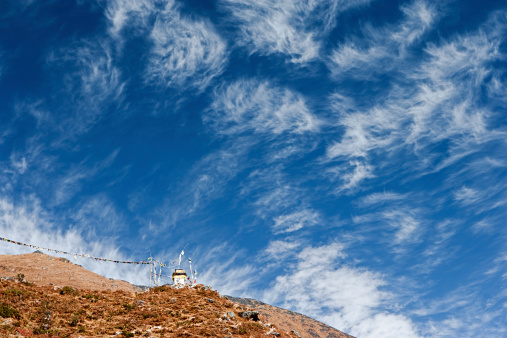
[[345, 159]]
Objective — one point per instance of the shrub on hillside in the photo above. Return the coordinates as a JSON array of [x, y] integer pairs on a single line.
[[8, 311], [68, 290]]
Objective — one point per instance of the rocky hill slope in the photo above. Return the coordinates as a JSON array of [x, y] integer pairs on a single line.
[[289, 321], [45, 296]]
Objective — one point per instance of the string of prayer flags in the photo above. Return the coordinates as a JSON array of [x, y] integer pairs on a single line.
[[76, 255]]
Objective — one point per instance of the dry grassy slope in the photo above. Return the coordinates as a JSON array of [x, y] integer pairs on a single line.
[[48, 311], [43, 269], [105, 307], [287, 320]]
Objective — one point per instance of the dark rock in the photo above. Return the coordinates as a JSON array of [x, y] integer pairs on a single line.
[[253, 315], [211, 300]]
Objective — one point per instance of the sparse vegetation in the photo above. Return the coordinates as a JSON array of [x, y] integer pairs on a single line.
[[160, 288], [12, 292], [165, 312], [129, 306], [150, 315], [91, 297], [8, 311], [21, 278], [127, 334], [68, 290], [74, 320]]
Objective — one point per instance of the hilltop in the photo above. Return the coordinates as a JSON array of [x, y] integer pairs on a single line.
[[47, 296]]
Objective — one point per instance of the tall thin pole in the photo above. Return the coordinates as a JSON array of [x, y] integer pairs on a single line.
[[159, 274], [151, 269]]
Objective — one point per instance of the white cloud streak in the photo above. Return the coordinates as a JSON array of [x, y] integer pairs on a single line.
[[291, 28], [185, 52], [343, 296], [206, 181], [273, 191], [280, 250], [261, 108], [381, 47], [467, 196], [92, 85], [440, 100], [381, 198], [122, 13], [463, 312], [405, 224], [219, 262], [67, 184], [29, 223], [295, 221]]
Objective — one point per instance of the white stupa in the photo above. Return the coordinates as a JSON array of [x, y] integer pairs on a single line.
[[179, 277]]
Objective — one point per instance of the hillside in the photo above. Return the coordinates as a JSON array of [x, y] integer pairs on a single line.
[[47, 296], [287, 320]]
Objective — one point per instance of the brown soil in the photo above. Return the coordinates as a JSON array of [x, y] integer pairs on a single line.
[[47, 311], [57, 298], [288, 321], [43, 269]]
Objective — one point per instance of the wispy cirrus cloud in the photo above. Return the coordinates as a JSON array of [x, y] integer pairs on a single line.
[[295, 221], [321, 285], [397, 226], [467, 196], [100, 217], [280, 250], [251, 106], [351, 176], [483, 188], [291, 28], [275, 197], [18, 163], [440, 101], [280, 127], [92, 84], [381, 198], [184, 51], [223, 259], [205, 182], [122, 13], [28, 222], [69, 182], [380, 47], [406, 225], [465, 312]]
